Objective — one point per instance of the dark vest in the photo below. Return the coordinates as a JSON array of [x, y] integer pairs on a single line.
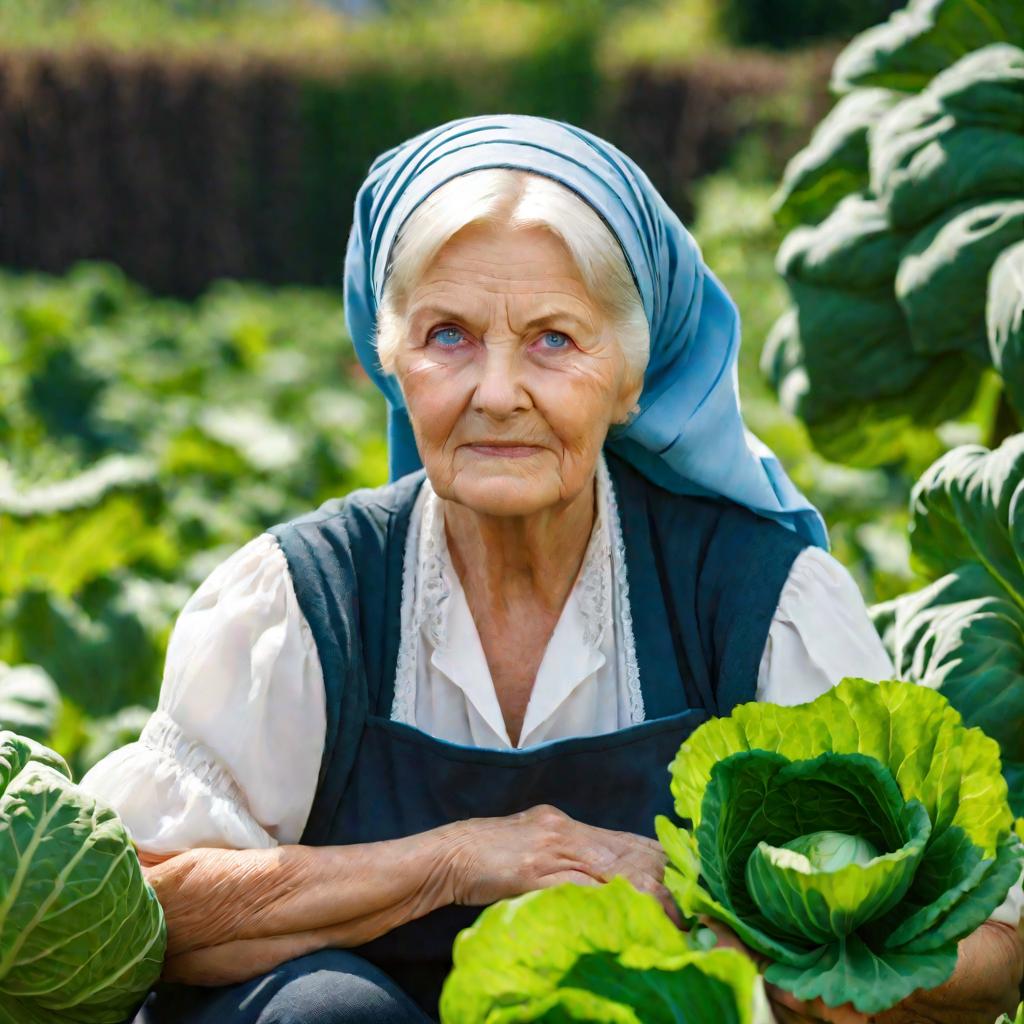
[[704, 580]]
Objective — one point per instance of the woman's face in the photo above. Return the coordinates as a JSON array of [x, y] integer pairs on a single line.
[[510, 373]]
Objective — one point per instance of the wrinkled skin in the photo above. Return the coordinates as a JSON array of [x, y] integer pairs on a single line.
[[485, 373], [984, 985]]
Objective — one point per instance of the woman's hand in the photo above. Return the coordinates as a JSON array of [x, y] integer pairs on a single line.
[[983, 985], [495, 858]]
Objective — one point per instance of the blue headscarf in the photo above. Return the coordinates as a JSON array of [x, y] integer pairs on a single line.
[[689, 436]]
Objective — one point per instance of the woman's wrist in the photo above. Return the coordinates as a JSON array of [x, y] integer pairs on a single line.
[[451, 860]]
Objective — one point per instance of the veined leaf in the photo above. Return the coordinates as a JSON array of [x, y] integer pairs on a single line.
[[963, 633], [82, 935], [922, 39]]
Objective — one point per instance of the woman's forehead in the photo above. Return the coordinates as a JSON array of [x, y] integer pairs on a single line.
[[499, 257]]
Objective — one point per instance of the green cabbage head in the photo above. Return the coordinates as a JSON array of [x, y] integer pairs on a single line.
[[606, 954], [82, 935], [853, 840]]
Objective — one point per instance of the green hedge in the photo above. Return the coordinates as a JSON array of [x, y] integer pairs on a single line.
[[192, 165]]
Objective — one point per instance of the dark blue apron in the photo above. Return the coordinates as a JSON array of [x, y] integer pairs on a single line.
[[704, 580], [405, 782]]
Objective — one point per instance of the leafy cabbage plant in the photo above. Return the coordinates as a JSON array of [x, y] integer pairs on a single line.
[[963, 633], [901, 205], [601, 954], [853, 841], [82, 935], [922, 39]]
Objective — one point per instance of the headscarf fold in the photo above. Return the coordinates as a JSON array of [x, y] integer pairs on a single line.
[[688, 436]]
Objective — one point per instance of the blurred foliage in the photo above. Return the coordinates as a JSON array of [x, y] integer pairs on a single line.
[[236, 135], [661, 33], [178, 432], [398, 32], [655, 29]]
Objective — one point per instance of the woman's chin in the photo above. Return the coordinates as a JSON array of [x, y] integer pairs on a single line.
[[494, 493]]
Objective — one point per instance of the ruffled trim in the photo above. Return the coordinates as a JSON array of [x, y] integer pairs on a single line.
[[403, 705], [637, 711], [164, 736], [433, 590], [594, 584]]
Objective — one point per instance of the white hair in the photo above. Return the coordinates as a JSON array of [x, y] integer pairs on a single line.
[[519, 199]]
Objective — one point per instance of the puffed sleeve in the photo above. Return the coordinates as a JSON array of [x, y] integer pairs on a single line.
[[820, 632], [232, 754]]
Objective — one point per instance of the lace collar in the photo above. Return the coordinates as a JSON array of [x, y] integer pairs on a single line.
[[601, 591]]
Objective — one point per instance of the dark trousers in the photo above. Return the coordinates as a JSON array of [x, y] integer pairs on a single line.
[[329, 987]]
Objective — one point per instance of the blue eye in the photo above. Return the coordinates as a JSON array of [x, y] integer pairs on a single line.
[[561, 339], [448, 337]]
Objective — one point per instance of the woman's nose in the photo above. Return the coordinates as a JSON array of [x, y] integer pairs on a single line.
[[500, 390]]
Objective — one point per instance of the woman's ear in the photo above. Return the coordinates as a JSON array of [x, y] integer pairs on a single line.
[[628, 404]]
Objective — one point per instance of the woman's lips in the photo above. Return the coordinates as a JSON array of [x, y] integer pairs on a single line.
[[504, 451]]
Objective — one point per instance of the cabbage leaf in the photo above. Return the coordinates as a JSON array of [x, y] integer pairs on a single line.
[[1005, 322], [602, 954], [961, 139], [29, 701], [922, 39], [82, 935], [942, 282], [58, 537], [834, 164]]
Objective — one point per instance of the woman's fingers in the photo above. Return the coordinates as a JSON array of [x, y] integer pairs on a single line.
[[623, 848], [605, 853], [576, 877], [798, 1010]]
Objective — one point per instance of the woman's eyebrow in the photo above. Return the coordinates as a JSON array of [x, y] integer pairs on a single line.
[[446, 313], [559, 316]]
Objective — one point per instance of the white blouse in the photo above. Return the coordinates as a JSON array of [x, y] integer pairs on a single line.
[[232, 754]]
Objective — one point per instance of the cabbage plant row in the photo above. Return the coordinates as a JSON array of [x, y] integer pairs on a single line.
[[905, 264], [143, 439]]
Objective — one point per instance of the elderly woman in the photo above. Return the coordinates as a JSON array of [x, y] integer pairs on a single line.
[[467, 684]]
